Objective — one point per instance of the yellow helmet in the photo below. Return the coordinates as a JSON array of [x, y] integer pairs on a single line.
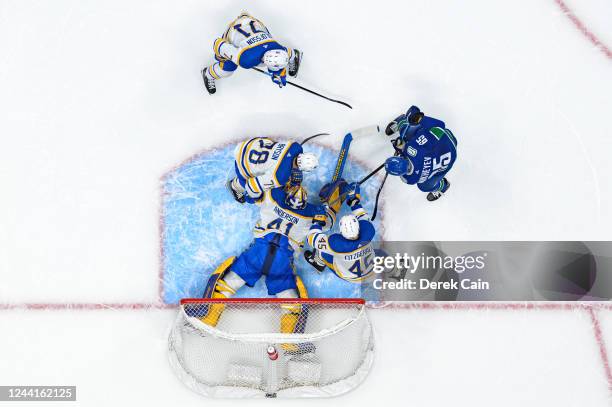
[[296, 197]]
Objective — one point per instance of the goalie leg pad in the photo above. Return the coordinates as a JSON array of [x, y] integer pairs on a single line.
[[223, 283], [293, 320]]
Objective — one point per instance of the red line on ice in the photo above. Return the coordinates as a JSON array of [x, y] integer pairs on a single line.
[[85, 306], [508, 306], [602, 346], [584, 29], [512, 306]]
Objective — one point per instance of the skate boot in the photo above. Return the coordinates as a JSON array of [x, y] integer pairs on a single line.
[[311, 259], [432, 196], [236, 190], [209, 81], [294, 64]]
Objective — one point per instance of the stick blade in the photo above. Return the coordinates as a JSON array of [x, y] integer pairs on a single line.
[[366, 131]]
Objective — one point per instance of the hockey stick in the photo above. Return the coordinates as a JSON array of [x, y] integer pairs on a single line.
[[364, 179], [307, 139], [378, 196], [308, 90], [361, 181], [346, 144], [382, 184], [342, 157], [370, 175]]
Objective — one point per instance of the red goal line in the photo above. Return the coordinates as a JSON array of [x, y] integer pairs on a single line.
[[606, 306]]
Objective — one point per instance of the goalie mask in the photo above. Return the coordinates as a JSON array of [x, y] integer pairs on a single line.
[[276, 59], [307, 161], [349, 227], [296, 198]]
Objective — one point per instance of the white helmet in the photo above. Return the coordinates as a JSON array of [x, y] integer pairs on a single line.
[[349, 227], [307, 161], [276, 59]]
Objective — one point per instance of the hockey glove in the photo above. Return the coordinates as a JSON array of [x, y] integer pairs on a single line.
[[320, 217], [398, 145], [391, 128], [353, 196], [280, 77]]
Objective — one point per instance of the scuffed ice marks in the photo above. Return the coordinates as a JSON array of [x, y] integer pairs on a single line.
[[202, 225]]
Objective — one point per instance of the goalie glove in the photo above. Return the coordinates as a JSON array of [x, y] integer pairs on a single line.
[[332, 192]]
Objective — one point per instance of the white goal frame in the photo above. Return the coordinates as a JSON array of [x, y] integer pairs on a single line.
[[355, 326]]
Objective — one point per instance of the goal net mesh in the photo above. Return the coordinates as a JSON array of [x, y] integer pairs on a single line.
[[271, 347]]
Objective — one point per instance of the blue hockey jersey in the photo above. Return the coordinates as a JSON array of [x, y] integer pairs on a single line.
[[430, 147]]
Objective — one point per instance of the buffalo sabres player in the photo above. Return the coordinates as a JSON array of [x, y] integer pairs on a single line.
[[284, 221], [425, 152], [262, 164], [247, 43], [349, 254]]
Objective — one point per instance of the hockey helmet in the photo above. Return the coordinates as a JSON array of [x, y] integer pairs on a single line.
[[276, 59], [349, 227], [296, 197], [307, 161]]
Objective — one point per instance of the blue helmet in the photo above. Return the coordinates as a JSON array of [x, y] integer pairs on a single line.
[[398, 166]]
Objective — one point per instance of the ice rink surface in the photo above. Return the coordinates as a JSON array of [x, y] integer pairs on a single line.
[[99, 100]]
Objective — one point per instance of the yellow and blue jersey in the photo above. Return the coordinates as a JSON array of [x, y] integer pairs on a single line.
[[351, 260], [276, 217], [262, 164], [251, 38]]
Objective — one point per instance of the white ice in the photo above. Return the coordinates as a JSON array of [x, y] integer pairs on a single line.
[[99, 99]]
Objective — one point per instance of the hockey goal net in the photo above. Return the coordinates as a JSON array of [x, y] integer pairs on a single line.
[[271, 347]]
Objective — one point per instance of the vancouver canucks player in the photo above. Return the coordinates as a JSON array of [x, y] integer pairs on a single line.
[[247, 43], [425, 152], [284, 221], [349, 254], [262, 164]]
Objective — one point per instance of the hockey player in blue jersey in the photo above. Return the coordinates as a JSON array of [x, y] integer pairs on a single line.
[[262, 164], [349, 254], [284, 221], [247, 43], [425, 152]]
